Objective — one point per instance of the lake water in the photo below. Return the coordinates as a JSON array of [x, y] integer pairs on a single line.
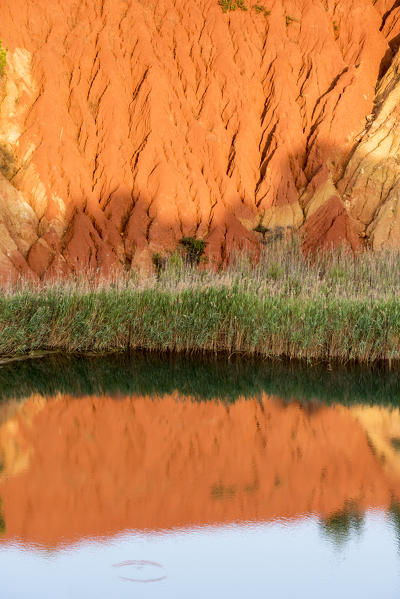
[[156, 477]]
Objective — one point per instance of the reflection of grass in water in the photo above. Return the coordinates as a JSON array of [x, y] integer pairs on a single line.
[[394, 516], [339, 526], [253, 487], [395, 443], [2, 519], [150, 374]]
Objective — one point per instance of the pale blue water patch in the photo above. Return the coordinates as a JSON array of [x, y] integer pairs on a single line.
[[278, 560]]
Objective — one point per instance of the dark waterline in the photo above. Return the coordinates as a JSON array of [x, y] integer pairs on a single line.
[[201, 378]]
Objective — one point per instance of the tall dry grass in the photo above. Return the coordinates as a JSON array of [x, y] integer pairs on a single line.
[[330, 306]]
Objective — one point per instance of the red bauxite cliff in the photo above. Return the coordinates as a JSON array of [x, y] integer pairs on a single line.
[[125, 124]]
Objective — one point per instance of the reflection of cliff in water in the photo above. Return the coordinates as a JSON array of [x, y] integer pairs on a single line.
[[95, 466]]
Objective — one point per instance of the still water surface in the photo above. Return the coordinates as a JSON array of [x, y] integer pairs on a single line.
[[147, 477]]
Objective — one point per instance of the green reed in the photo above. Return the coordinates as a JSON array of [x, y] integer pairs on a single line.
[[331, 306]]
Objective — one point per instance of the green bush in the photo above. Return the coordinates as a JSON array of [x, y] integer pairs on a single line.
[[260, 228], [195, 249], [290, 19], [272, 235], [159, 262], [231, 5], [259, 8], [7, 163], [3, 59]]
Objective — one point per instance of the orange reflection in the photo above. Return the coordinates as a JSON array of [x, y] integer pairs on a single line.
[[96, 466]]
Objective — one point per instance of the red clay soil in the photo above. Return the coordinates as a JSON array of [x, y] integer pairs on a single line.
[[125, 124], [96, 466]]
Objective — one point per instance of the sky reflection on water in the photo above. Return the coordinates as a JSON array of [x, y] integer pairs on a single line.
[[279, 560]]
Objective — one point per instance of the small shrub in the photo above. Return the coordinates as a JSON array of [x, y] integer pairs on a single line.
[[7, 163], [159, 262], [395, 443], [261, 229], [222, 492], [3, 60], [261, 10], [195, 249], [336, 29], [290, 19], [271, 235], [230, 5], [276, 234]]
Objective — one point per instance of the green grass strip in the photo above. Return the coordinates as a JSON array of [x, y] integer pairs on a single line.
[[231, 319]]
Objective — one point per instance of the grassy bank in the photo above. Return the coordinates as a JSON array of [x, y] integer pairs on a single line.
[[335, 307]]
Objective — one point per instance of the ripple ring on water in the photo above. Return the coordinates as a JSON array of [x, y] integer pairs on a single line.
[[142, 565]]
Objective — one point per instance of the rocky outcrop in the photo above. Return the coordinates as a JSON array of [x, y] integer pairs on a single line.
[[125, 125]]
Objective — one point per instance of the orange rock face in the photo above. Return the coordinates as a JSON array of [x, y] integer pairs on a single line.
[[96, 466], [125, 124]]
